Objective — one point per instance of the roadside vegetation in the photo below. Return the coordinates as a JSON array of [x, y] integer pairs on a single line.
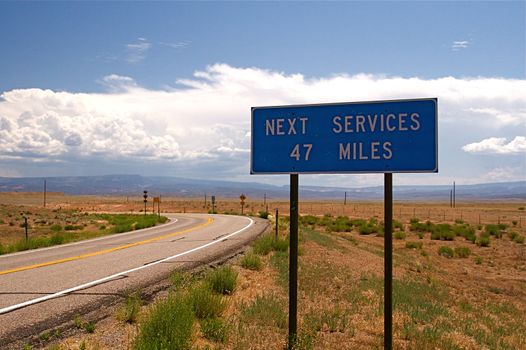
[[450, 291], [54, 227], [341, 292]]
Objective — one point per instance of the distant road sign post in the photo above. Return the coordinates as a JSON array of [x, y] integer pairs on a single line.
[[158, 201], [145, 196], [213, 204], [359, 137], [242, 201]]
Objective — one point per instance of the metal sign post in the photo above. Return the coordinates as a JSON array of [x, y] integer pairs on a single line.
[[359, 137], [388, 261], [145, 196], [242, 201], [158, 201], [277, 223], [293, 260], [213, 204], [26, 227]]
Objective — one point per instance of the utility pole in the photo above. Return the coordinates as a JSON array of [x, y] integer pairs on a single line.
[[454, 195], [345, 199], [45, 190]]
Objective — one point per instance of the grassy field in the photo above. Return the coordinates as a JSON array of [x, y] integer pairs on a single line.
[[451, 291], [47, 227], [459, 277], [490, 212]]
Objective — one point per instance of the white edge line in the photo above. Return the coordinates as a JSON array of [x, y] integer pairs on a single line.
[[91, 240], [104, 279]]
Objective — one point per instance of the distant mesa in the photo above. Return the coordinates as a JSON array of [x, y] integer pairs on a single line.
[[191, 188]]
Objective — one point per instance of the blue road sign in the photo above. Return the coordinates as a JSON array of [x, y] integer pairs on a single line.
[[362, 137]]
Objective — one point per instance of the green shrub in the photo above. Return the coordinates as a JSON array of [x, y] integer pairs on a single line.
[[89, 327], [73, 227], [130, 310], [413, 245], [263, 245], [399, 235], [483, 241], [446, 252], [45, 336], [78, 321], [398, 225], [442, 232], [519, 239], [493, 230], [512, 235], [462, 252], [205, 303], [368, 228], [263, 214], [122, 228], [56, 228], [167, 326], [2, 222], [466, 231], [514, 222], [222, 280], [56, 240], [417, 226], [308, 220], [280, 245], [181, 280], [251, 261], [214, 329]]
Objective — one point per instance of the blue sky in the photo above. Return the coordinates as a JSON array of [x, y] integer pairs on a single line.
[[105, 54], [70, 46]]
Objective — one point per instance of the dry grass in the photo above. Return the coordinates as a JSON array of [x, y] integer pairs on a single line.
[[459, 303]]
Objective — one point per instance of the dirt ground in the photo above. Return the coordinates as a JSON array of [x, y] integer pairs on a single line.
[[479, 301], [489, 212]]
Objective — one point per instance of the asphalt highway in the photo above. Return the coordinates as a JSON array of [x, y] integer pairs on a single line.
[[46, 288]]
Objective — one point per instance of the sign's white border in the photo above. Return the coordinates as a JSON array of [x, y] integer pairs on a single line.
[[252, 172]]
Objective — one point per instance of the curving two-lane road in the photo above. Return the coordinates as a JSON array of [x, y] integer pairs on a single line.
[[44, 288]]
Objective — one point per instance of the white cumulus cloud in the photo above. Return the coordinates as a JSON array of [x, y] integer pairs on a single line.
[[205, 121], [497, 145]]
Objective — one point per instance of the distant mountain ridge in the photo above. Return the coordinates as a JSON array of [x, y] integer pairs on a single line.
[[184, 187]]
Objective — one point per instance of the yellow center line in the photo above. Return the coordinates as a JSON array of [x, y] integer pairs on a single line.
[[88, 255]]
